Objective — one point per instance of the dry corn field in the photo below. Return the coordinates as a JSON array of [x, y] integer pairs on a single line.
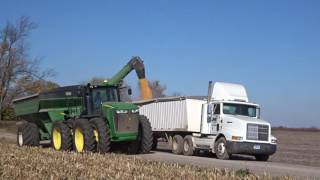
[[45, 163]]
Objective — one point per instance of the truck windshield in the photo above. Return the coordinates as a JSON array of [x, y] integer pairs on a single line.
[[240, 109]]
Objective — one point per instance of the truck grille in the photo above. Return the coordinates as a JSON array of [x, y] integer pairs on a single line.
[[257, 132], [127, 122]]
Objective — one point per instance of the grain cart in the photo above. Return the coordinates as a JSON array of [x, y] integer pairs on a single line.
[[87, 118], [224, 123]]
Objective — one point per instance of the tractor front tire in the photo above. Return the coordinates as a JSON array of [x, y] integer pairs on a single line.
[[145, 137], [101, 134], [61, 137], [83, 138], [28, 135]]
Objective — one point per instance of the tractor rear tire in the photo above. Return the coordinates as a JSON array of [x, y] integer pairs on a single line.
[[177, 144], [28, 135], [145, 136], [101, 134], [61, 137], [83, 139]]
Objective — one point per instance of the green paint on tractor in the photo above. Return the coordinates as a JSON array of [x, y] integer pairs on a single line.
[[90, 116]]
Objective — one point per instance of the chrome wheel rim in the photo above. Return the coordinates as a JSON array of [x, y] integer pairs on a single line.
[[221, 148]]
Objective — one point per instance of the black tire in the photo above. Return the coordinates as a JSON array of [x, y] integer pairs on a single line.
[[177, 144], [64, 134], [221, 149], [145, 137], [262, 157], [188, 146], [101, 134], [154, 143], [83, 130], [28, 135]]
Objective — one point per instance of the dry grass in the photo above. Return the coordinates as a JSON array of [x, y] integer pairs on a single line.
[[45, 163]]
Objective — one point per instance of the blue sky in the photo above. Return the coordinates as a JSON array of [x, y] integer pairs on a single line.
[[272, 47]]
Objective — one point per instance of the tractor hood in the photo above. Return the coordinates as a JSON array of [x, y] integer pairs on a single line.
[[119, 105]]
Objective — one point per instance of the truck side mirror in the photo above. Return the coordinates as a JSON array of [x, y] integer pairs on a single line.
[[210, 109], [130, 91]]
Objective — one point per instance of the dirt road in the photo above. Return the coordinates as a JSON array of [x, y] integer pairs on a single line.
[[268, 168]]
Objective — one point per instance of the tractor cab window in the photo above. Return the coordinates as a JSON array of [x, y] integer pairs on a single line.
[[101, 95]]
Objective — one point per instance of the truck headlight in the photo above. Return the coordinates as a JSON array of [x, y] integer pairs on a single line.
[[274, 140], [237, 138]]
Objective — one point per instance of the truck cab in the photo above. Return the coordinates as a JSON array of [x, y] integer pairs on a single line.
[[235, 124]]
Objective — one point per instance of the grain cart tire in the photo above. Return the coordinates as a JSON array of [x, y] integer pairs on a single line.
[[221, 149], [101, 135], [61, 137], [177, 144], [262, 157], [145, 137], [83, 139], [28, 135], [188, 146]]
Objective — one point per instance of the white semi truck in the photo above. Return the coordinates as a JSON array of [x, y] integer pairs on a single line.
[[224, 123]]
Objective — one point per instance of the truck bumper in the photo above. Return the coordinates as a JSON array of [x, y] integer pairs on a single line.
[[250, 148]]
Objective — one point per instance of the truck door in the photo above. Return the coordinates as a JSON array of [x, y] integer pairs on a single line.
[[210, 118]]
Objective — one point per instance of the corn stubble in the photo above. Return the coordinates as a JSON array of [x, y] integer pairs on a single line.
[[45, 163]]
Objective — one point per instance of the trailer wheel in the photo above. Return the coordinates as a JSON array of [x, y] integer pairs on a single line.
[[28, 135], [145, 137], [221, 149], [177, 144], [262, 157], [61, 138], [188, 146], [83, 138], [101, 135]]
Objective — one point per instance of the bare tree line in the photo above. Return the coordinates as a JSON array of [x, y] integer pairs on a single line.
[[19, 74]]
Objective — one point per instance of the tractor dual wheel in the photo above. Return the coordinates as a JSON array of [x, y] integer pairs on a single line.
[[83, 138], [28, 135], [101, 134], [145, 136], [61, 137]]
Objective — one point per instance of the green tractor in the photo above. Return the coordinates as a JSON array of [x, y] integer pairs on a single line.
[[87, 118]]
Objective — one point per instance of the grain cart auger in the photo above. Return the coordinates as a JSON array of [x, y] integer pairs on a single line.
[[87, 118]]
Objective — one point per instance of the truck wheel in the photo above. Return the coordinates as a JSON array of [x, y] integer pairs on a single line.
[[188, 146], [101, 134], [28, 135], [83, 138], [61, 138], [177, 144], [221, 149], [262, 157], [145, 136]]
